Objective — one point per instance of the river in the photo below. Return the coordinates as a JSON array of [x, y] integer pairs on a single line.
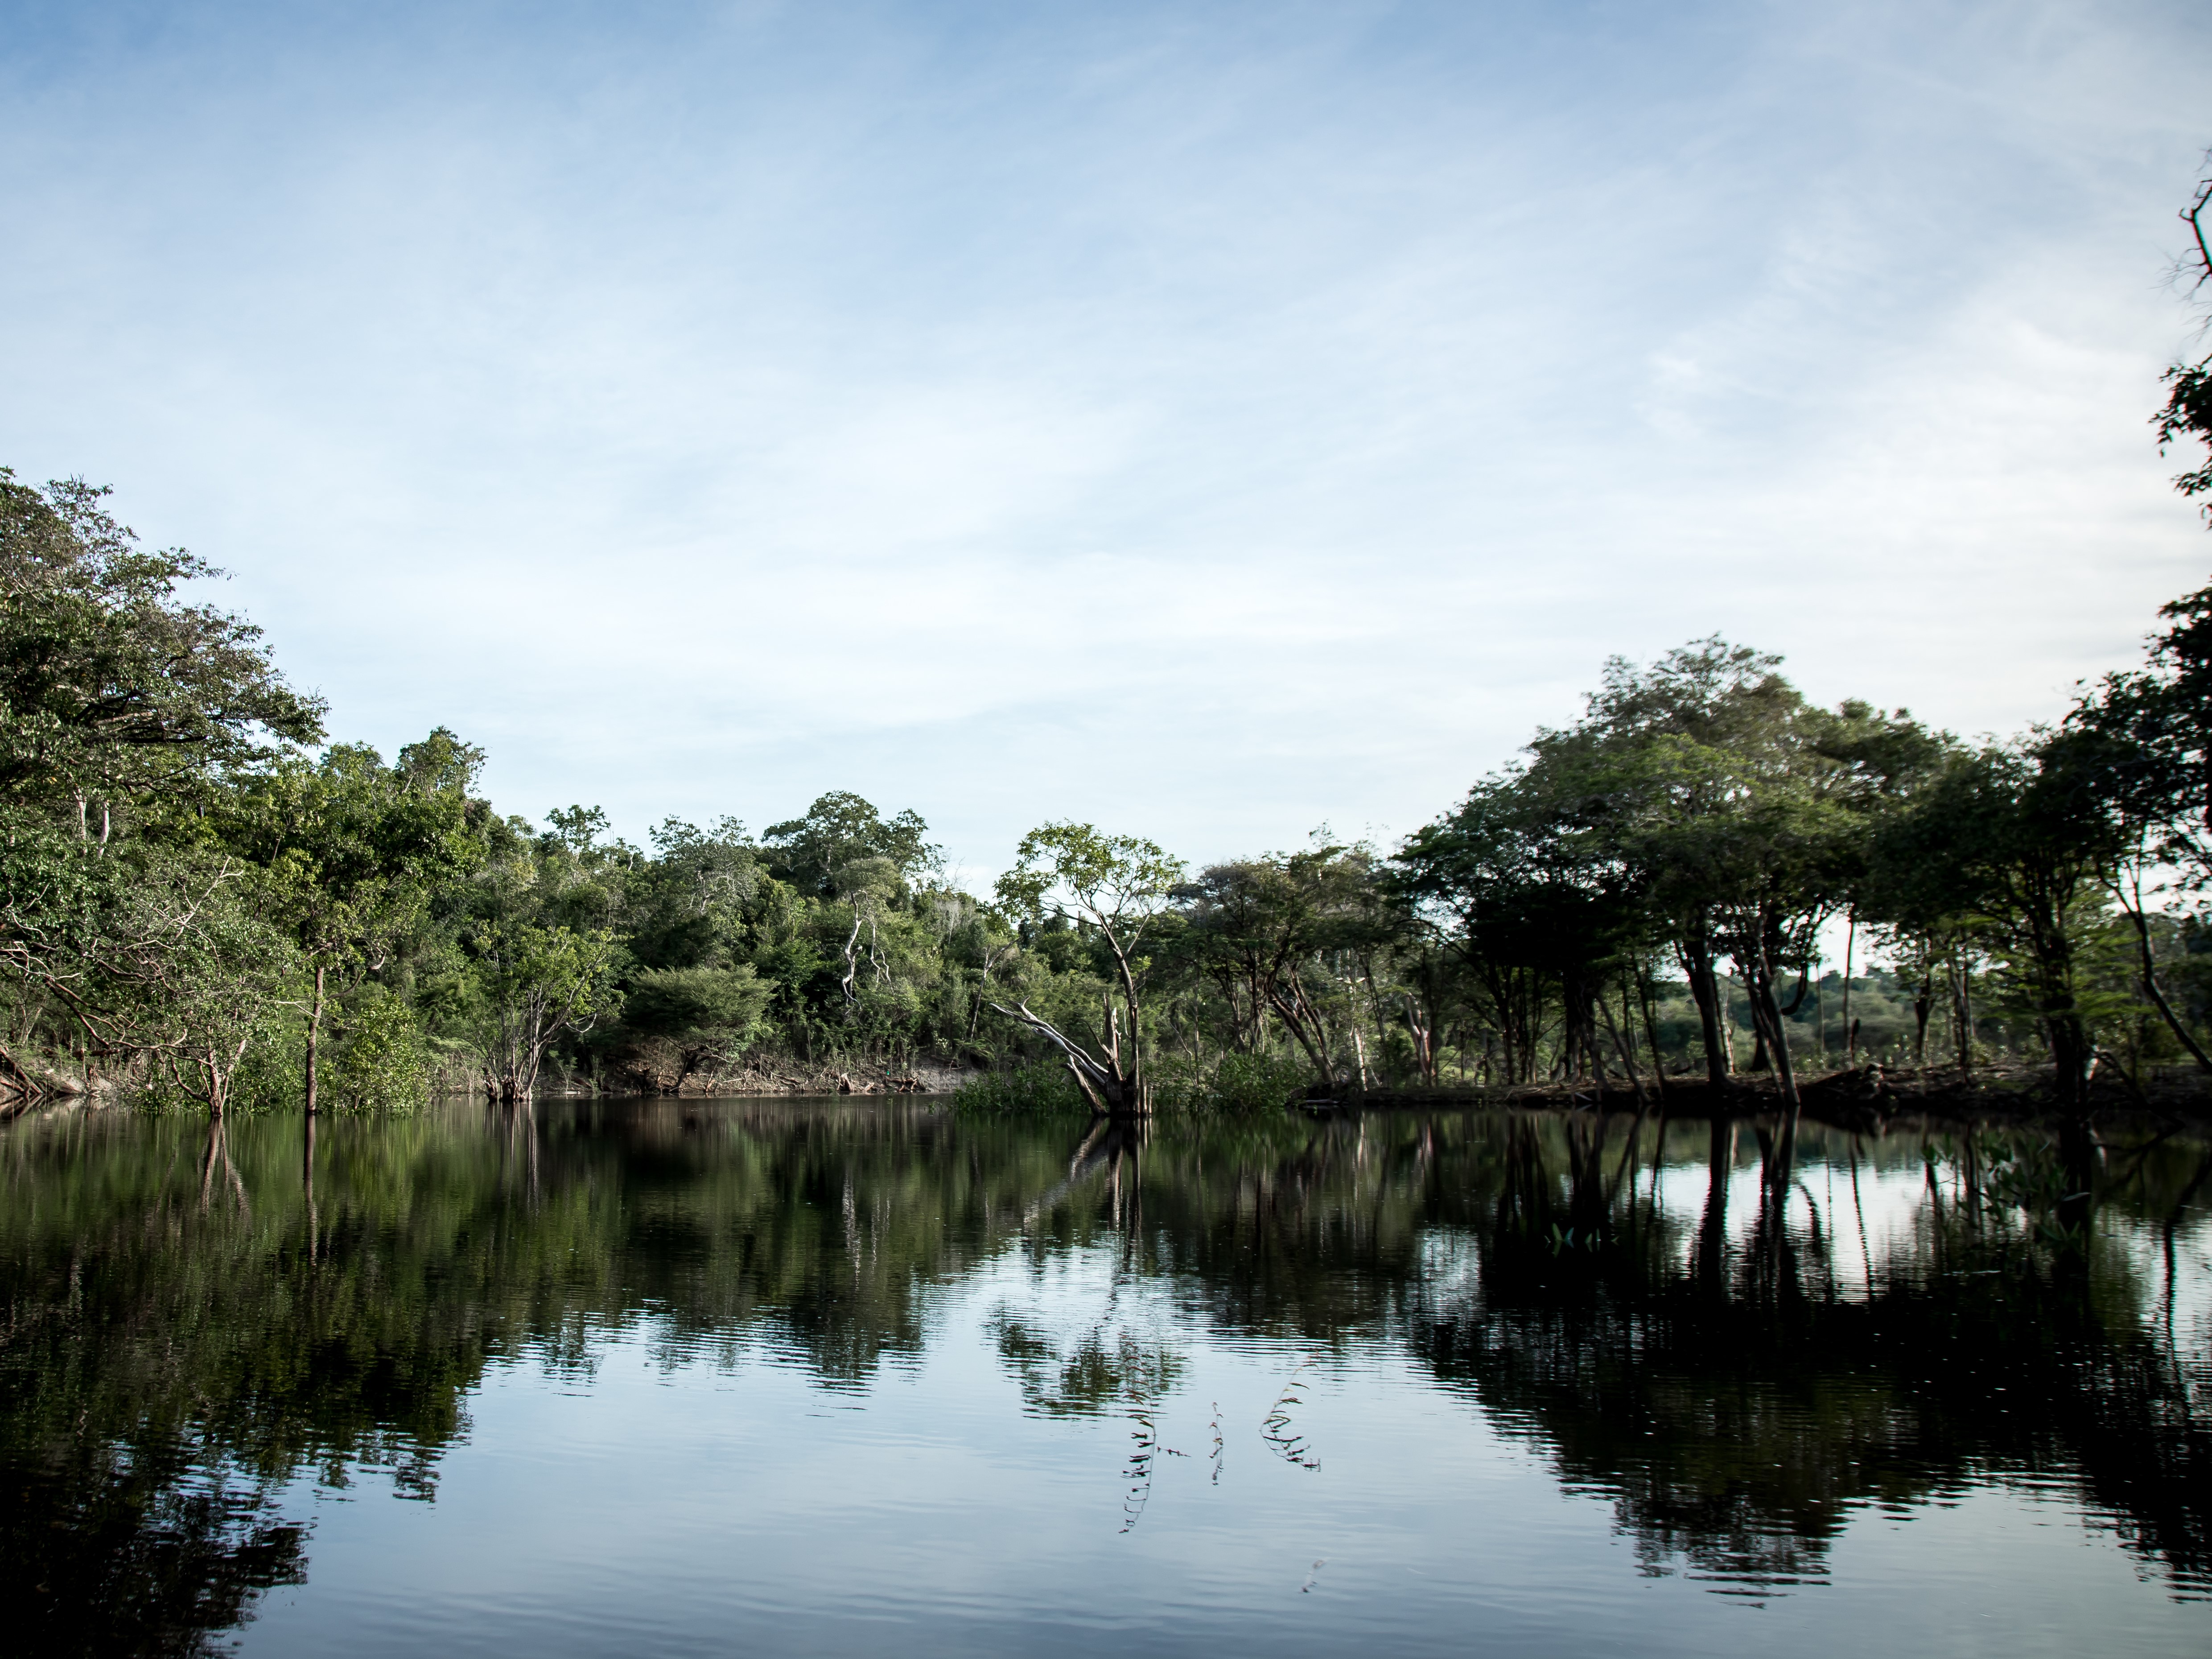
[[797, 1376]]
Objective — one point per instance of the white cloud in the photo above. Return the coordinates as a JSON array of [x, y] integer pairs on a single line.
[[1216, 420]]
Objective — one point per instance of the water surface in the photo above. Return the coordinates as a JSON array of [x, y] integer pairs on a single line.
[[678, 1377]]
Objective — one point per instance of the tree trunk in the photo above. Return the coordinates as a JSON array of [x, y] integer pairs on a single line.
[[1105, 1085], [1725, 1001], [1628, 1055], [1578, 1030], [1138, 1094], [1768, 1007], [16, 1080], [1651, 1035], [1851, 1031], [314, 1035], [2157, 995], [1962, 1017], [2072, 1054]]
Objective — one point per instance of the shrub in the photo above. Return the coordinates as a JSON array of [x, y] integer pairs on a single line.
[[1041, 1086], [378, 1059], [1259, 1082]]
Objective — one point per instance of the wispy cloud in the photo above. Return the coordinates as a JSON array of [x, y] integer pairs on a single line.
[[1210, 419]]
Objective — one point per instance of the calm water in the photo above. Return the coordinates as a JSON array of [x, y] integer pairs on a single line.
[[662, 1377]]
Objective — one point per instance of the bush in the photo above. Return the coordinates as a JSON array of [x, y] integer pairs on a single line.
[[269, 1078], [1240, 1085], [1259, 1082], [1042, 1086], [272, 1076], [379, 1060]]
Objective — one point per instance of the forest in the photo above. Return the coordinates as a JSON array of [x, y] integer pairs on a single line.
[[206, 902]]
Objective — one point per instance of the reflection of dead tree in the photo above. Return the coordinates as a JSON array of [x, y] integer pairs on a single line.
[[307, 1184], [1110, 1144], [1143, 1459], [519, 1145]]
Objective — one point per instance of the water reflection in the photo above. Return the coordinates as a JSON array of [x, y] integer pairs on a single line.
[[1738, 1345]]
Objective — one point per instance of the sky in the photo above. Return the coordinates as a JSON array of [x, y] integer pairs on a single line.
[[1211, 421]]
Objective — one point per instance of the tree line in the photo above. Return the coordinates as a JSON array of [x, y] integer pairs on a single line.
[[203, 900]]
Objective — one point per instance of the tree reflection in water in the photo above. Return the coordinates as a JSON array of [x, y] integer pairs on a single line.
[[1737, 1358]]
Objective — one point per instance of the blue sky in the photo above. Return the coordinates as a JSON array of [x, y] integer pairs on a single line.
[[1206, 420]]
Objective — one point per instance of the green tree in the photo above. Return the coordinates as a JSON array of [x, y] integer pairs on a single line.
[[1296, 937], [2013, 848], [700, 1016], [113, 687], [536, 985], [1118, 887], [156, 955], [839, 828], [120, 702], [352, 851], [1738, 812]]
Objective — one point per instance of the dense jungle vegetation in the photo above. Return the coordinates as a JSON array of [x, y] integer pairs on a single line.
[[204, 900]]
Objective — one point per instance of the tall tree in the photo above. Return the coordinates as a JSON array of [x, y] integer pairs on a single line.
[[112, 687], [118, 700], [352, 851], [839, 828], [1263, 931], [1119, 887]]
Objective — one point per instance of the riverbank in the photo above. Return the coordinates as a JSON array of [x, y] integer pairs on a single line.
[[1866, 1099]]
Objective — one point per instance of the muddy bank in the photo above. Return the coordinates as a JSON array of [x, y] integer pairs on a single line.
[[784, 1076]]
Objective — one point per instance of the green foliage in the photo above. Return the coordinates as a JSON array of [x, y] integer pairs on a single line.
[[382, 1061], [688, 1001], [1240, 1085], [1258, 1083], [840, 828], [1294, 938], [113, 687], [1076, 871], [1042, 1088], [535, 984]]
